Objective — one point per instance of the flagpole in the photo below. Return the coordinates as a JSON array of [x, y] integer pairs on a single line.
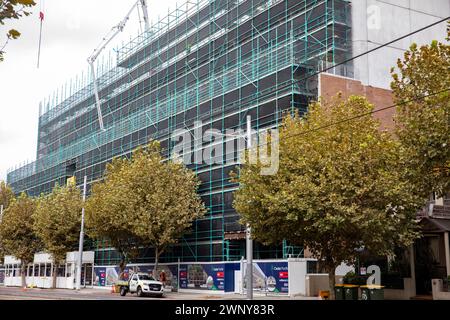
[[41, 17]]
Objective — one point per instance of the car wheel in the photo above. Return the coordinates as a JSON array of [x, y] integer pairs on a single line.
[[123, 291], [139, 292]]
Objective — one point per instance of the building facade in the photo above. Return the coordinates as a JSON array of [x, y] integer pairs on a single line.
[[211, 61]]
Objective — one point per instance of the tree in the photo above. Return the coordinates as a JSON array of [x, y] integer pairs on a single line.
[[57, 221], [109, 218], [338, 190], [144, 201], [13, 9], [6, 196], [423, 124], [17, 234]]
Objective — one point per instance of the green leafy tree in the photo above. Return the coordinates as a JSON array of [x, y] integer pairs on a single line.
[[57, 221], [13, 9], [423, 124], [17, 233], [108, 218], [144, 201], [6, 196], [338, 189]]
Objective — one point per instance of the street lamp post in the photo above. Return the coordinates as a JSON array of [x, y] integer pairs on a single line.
[[1, 207], [248, 238], [80, 245]]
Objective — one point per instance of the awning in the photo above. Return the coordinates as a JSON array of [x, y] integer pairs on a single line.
[[430, 225]]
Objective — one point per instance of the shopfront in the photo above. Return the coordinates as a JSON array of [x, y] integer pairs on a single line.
[[40, 273]]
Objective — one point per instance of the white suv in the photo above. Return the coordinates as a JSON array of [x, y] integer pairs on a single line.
[[143, 284]]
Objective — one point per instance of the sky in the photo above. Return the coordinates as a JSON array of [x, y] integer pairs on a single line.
[[71, 31]]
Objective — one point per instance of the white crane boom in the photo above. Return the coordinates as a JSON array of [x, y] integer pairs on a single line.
[[106, 40]]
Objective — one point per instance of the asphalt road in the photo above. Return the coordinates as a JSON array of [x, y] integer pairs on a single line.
[[47, 294], [98, 294]]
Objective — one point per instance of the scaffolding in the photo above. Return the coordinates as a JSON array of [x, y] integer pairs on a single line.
[[210, 61]]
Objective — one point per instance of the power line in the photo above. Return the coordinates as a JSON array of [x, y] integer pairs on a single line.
[[379, 47], [351, 59], [362, 54], [362, 115], [358, 56]]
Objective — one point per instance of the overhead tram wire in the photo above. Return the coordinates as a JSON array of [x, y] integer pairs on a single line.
[[360, 55], [361, 115], [366, 114], [164, 150], [377, 48], [354, 58]]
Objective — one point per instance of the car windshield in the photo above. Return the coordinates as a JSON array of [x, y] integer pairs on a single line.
[[145, 277]]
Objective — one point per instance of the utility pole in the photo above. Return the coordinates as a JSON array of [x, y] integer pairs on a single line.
[[1, 213], [248, 239], [80, 246]]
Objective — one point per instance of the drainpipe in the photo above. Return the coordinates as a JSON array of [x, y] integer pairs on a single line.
[[447, 252]]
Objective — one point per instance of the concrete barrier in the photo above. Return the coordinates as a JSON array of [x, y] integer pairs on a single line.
[[318, 282], [407, 293], [438, 290]]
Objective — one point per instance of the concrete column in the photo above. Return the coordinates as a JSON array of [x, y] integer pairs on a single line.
[[447, 252]]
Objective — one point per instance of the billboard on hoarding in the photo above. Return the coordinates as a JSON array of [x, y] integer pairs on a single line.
[[107, 276], [271, 276], [202, 276]]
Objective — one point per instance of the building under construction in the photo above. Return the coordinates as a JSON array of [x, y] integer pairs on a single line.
[[210, 61]]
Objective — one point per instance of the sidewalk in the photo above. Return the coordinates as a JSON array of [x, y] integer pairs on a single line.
[[14, 293], [205, 295]]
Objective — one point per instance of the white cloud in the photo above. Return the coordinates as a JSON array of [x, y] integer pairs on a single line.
[[71, 31]]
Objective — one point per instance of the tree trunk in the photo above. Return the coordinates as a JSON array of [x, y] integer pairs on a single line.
[[155, 268], [122, 266], [23, 270], [332, 281], [55, 275]]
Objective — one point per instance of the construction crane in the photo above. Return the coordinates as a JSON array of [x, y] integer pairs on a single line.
[[106, 40]]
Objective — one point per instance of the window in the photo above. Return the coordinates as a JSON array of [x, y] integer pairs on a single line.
[[434, 245], [48, 270], [30, 271], [8, 271], [312, 267], [69, 268], [36, 270], [61, 271], [42, 270]]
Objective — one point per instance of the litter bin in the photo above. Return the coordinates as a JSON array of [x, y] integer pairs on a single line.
[[365, 294], [372, 292], [351, 292], [376, 292], [339, 292]]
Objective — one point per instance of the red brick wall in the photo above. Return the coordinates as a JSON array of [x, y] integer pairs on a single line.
[[331, 85]]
